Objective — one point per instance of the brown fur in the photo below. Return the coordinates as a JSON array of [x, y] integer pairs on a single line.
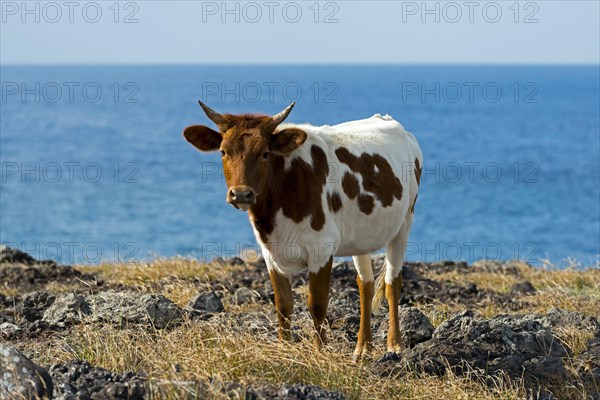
[[284, 302], [383, 183], [334, 202], [318, 299], [392, 294], [350, 185], [366, 203], [365, 336], [296, 191]]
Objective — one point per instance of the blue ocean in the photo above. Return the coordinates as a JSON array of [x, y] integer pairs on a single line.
[[95, 169]]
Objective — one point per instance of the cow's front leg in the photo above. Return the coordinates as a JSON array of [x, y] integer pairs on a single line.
[[318, 299], [284, 302]]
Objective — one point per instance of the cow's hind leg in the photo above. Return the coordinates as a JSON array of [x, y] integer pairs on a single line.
[[366, 287], [396, 251], [284, 302], [318, 299]]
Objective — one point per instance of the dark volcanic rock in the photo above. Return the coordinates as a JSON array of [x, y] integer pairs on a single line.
[[205, 304], [306, 392], [520, 346], [561, 318], [420, 290], [417, 289], [9, 255], [34, 277], [587, 364], [19, 377], [19, 270], [521, 288], [79, 380]]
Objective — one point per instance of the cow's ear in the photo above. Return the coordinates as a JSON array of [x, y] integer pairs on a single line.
[[202, 137], [288, 140]]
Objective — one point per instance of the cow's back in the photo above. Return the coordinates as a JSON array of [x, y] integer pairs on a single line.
[[370, 186]]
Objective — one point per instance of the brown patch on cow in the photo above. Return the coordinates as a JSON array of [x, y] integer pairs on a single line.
[[318, 299], [297, 191], [350, 185], [334, 202], [366, 203], [284, 302], [418, 171], [377, 175]]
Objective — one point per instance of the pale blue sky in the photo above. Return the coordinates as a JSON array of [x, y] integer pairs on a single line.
[[558, 32]]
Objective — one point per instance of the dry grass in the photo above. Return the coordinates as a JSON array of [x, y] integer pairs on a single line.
[[207, 350], [572, 289]]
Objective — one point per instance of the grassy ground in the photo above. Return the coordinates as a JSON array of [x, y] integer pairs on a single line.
[[200, 351]]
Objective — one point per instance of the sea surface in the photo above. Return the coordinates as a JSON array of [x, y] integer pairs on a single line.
[[94, 167]]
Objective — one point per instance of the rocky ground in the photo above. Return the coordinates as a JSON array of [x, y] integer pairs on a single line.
[[183, 329]]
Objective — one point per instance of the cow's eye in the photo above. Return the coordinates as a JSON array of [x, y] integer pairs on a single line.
[[223, 153], [265, 155]]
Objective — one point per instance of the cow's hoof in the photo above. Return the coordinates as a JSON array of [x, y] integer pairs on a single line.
[[394, 349], [361, 354]]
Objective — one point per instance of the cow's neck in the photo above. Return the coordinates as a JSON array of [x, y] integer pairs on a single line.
[[297, 191], [262, 213]]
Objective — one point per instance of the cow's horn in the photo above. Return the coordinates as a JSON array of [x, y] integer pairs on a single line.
[[279, 118], [212, 114]]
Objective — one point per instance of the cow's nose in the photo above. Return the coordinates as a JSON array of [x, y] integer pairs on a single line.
[[242, 195]]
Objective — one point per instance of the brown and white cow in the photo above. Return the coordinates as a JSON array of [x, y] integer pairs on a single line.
[[315, 192]]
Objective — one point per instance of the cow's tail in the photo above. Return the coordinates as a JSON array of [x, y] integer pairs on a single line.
[[379, 290]]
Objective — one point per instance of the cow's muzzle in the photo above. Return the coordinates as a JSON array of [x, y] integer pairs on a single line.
[[241, 197]]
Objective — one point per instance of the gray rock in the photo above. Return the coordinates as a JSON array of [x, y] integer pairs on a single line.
[[34, 304], [245, 295], [120, 308], [556, 318], [205, 303], [66, 310], [132, 308], [19, 377], [415, 327], [9, 330], [520, 346]]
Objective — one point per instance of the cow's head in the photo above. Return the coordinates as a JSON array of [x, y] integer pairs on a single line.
[[246, 143]]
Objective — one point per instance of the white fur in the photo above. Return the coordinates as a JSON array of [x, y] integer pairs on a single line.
[[292, 247]]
